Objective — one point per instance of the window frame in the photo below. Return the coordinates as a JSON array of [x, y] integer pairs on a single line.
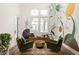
[[39, 22]]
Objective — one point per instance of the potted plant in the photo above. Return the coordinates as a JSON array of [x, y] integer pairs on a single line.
[[4, 42]]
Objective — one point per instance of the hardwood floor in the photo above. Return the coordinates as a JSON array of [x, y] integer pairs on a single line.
[[37, 51]]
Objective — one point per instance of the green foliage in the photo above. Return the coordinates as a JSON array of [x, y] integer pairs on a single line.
[[58, 6], [5, 38]]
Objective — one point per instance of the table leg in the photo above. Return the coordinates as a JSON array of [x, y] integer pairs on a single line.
[[45, 45], [34, 45]]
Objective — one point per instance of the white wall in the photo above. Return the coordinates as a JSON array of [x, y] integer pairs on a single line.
[[69, 22], [8, 13], [76, 18]]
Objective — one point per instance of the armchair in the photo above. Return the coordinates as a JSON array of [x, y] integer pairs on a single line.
[[55, 45], [23, 44]]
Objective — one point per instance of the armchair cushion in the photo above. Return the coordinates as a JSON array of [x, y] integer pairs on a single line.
[[26, 34]]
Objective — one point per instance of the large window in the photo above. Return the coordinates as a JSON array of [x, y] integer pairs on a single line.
[[39, 20], [35, 22]]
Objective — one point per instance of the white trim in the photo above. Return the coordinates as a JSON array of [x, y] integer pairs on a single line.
[[70, 49]]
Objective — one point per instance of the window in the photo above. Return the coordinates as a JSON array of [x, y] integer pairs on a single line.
[[34, 12], [44, 12], [39, 20], [35, 23], [43, 25]]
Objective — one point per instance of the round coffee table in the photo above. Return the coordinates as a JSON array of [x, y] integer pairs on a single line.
[[39, 43]]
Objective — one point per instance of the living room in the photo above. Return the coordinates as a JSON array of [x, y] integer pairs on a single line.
[[43, 27]]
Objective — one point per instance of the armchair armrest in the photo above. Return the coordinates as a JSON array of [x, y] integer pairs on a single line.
[[52, 42]]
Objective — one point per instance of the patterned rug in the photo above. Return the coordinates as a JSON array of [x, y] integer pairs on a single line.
[[37, 51]]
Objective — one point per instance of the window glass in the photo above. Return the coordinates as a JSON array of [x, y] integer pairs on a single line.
[[44, 12], [35, 23], [34, 12], [39, 23], [46, 24]]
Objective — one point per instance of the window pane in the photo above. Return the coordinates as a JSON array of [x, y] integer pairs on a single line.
[[35, 20], [42, 21], [42, 27], [35, 12], [44, 12], [46, 27], [35, 23]]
